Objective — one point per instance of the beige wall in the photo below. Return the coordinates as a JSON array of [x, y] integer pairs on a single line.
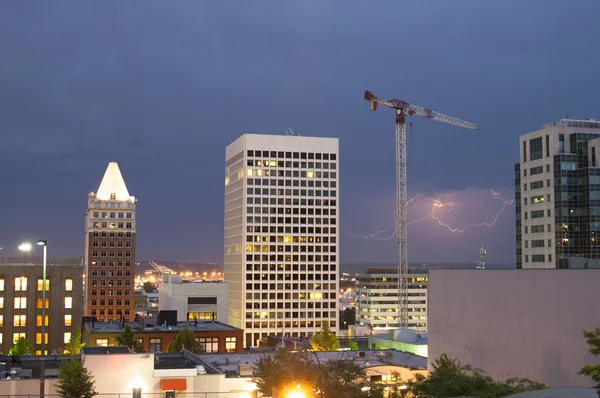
[[515, 323]]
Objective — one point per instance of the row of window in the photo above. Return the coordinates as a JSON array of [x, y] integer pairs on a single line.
[[289, 230], [291, 155], [290, 286], [291, 202], [292, 192], [109, 312], [537, 229], [291, 296], [538, 243], [534, 200], [103, 263], [292, 315], [538, 258], [290, 267], [21, 320], [21, 302], [120, 225], [21, 284], [38, 339], [538, 214], [289, 210], [94, 292], [536, 184], [109, 283], [112, 215], [288, 324], [110, 273], [111, 244], [104, 253], [290, 239], [209, 344], [312, 173], [112, 235], [295, 258], [288, 248]]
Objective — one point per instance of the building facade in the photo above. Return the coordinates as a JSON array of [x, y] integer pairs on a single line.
[[21, 305], [557, 184], [110, 249], [377, 298], [281, 234], [193, 300], [515, 323]]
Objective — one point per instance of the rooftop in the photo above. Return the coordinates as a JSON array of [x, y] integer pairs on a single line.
[[113, 186], [117, 327], [421, 338], [94, 350]]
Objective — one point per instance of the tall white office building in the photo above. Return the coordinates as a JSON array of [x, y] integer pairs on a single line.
[[281, 234]]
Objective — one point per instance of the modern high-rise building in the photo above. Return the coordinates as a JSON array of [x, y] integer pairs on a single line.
[[377, 298], [110, 229], [281, 234], [557, 187]]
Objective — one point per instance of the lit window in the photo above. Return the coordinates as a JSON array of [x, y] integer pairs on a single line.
[[1, 285], [69, 285], [102, 342], [67, 337], [38, 338], [41, 286], [21, 284], [0, 338], [1, 302], [38, 320], [68, 302], [39, 303], [1, 320], [230, 344], [20, 320], [17, 336], [20, 302], [68, 320]]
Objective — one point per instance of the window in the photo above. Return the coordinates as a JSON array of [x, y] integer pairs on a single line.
[[38, 338], [537, 258], [537, 199], [536, 185], [67, 337], [0, 338], [230, 344], [39, 320], [17, 336], [69, 285], [536, 170], [155, 344], [1, 320], [1, 285], [535, 149], [209, 344], [537, 243], [68, 302], [20, 320], [39, 303], [1, 302], [537, 229], [20, 284], [102, 342], [68, 319], [20, 302], [41, 285]]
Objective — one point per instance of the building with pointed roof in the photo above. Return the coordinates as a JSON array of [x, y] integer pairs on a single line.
[[110, 249]]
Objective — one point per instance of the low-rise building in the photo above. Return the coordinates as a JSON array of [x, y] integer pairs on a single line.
[[193, 300], [214, 337], [21, 290]]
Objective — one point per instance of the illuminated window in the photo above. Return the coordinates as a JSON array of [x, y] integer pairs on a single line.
[[38, 320], [21, 302], [39, 303], [21, 284], [102, 342], [0, 338], [67, 337], [38, 338], [1, 302], [155, 344], [67, 320], [210, 344], [1, 320], [68, 302], [1, 285], [41, 285], [20, 320], [230, 344], [17, 336], [69, 285], [39, 352]]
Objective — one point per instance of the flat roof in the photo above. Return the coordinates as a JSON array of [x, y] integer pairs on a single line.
[[421, 338], [200, 326]]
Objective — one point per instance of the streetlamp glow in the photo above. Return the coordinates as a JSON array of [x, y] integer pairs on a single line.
[[25, 247]]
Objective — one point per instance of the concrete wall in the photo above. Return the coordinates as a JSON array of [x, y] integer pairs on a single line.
[[515, 323]]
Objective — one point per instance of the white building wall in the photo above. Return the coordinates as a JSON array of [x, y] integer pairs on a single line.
[[281, 302]]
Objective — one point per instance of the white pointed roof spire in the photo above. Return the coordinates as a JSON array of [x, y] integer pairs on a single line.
[[113, 186]]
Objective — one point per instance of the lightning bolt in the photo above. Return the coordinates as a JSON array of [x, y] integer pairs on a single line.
[[436, 204]]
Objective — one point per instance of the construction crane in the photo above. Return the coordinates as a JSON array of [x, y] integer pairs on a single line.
[[404, 109]]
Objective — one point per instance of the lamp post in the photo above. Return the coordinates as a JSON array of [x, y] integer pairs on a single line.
[[43, 242], [25, 248]]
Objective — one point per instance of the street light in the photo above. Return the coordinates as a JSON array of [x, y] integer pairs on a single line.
[[25, 248], [43, 242]]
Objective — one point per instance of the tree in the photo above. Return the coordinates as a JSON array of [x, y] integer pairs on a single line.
[[21, 347], [325, 340], [283, 369], [128, 339], [353, 345], [185, 339], [74, 380], [149, 287], [592, 371], [341, 378], [73, 346]]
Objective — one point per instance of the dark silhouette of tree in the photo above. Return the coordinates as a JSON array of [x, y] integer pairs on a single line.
[[592, 371]]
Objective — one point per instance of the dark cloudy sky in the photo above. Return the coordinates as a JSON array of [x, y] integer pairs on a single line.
[[163, 87]]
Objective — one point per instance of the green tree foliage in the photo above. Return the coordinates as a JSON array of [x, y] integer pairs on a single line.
[[353, 345], [73, 346], [21, 347], [450, 378], [592, 371], [283, 369], [74, 380], [128, 339], [325, 339], [185, 339], [341, 378]]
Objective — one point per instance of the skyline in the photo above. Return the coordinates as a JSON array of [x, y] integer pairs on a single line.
[[177, 85]]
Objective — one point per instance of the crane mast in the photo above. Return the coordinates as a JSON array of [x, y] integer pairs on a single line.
[[404, 109]]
